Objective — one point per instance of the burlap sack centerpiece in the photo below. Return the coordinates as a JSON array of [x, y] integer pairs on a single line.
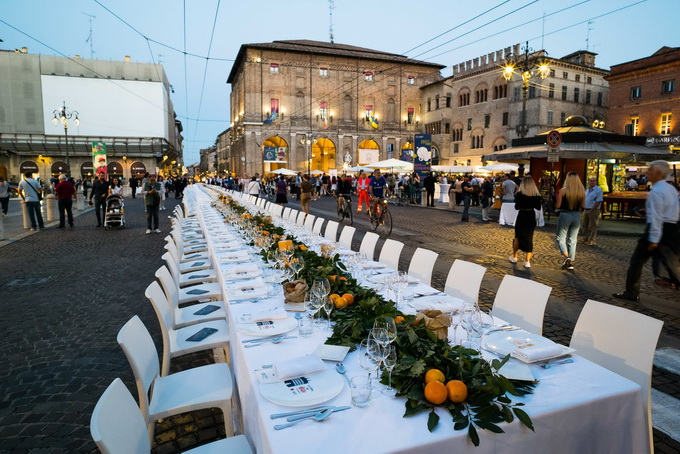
[[435, 321], [295, 291]]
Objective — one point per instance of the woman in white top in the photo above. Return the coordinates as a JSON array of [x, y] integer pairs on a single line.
[[116, 188]]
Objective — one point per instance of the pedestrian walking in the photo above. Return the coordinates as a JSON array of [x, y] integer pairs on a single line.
[[65, 192], [31, 193], [152, 200], [527, 200], [466, 186], [305, 193], [134, 182], [4, 196], [254, 187], [570, 202], [115, 187], [281, 191], [100, 190], [591, 214], [163, 191], [458, 189], [487, 198], [660, 239], [429, 183]]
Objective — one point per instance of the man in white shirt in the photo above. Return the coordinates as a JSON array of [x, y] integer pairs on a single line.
[[254, 187], [631, 184], [509, 188], [30, 192], [591, 215], [661, 235]]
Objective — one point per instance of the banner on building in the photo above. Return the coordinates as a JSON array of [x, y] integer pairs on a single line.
[[368, 155], [275, 154], [99, 158], [407, 155], [422, 158]]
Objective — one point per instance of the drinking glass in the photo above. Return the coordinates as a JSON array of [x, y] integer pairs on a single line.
[[380, 335], [471, 321], [297, 264], [361, 391], [389, 325], [328, 307], [365, 358], [389, 360], [400, 283], [324, 285]]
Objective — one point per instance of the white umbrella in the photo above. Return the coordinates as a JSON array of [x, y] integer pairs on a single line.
[[392, 164], [501, 167], [459, 169], [284, 172], [317, 172], [359, 169]]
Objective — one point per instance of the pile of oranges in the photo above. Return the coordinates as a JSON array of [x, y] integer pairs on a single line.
[[342, 301], [436, 392]]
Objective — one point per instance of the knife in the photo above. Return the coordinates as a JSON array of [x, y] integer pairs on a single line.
[[308, 414], [299, 412], [504, 328]]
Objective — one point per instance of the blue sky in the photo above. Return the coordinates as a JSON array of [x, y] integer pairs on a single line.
[[395, 26]]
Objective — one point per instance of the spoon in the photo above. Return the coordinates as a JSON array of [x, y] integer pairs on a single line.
[[551, 363], [342, 371], [318, 417], [273, 340]]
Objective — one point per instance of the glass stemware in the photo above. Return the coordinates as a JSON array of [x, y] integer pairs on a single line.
[[389, 325], [400, 284], [328, 307], [389, 360], [471, 320], [297, 264], [366, 355]]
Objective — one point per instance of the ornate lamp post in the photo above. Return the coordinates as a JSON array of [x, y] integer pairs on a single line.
[[62, 116], [308, 141], [527, 66]]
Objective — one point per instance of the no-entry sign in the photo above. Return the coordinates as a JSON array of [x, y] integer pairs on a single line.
[[554, 138]]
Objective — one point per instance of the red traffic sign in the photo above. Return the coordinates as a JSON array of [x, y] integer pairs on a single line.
[[554, 138]]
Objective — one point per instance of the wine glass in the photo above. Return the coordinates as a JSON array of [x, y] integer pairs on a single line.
[[380, 335], [471, 321], [389, 360], [389, 325], [297, 264], [400, 284], [324, 285], [365, 358], [375, 351], [328, 307]]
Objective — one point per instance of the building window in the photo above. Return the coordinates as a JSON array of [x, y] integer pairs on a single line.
[[347, 108], [599, 99], [565, 75], [429, 105], [274, 68], [667, 86], [447, 128], [577, 78], [636, 93], [274, 106], [469, 127], [589, 80], [410, 80], [532, 92], [457, 135], [464, 99], [550, 118], [589, 95], [368, 77], [665, 124], [448, 100], [577, 93], [477, 142], [563, 117], [433, 128], [506, 119], [632, 128], [323, 111], [500, 91], [481, 95], [551, 91], [552, 73], [455, 148], [436, 102], [409, 115], [564, 92], [487, 120], [323, 72], [515, 94]]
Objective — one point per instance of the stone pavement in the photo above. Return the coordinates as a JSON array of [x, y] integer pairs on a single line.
[[64, 294]]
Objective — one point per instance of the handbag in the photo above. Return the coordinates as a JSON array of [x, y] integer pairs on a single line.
[[36, 191]]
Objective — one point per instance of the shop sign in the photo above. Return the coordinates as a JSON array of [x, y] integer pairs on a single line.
[[663, 140]]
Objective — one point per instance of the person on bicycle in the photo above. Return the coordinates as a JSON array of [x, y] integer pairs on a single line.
[[344, 191], [376, 190], [362, 190]]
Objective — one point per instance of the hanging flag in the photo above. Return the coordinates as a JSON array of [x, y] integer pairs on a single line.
[[374, 122], [271, 118]]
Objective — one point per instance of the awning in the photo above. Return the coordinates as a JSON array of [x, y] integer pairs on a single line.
[[601, 150]]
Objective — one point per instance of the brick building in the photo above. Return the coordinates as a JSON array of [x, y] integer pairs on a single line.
[[315, 105], [644, 98], [475, 111]]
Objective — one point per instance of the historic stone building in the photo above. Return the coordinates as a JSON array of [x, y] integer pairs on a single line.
[[123, 104], [645, 100], [310, 105], [476, 111]]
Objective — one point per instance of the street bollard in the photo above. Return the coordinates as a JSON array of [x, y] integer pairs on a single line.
[[24, 211], [423, 197], [80, 201], [52, 210]]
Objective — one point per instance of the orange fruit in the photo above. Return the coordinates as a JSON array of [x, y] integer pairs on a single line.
[[434, 375], [457, 391], [332, 278], [340, 302], [349, 297], [435, 392], [302, 247], [342, 278], [334, 296], [399, 319]]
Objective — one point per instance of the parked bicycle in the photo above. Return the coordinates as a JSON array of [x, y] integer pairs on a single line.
[[345, 210], [380, 217]]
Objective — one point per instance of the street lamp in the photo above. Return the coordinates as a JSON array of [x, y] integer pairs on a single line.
[[528, 66], [308, 141], [63, 115]]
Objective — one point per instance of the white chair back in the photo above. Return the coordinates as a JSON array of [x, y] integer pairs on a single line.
[[331, 232], [286, 213], [390, 253], [301, 218], [117, 426], [346, 237], [622, 341], [309, 222], [522, 302], [170, 287], [368, 244], [464, 280], [317, 225], [172, 266], [422, 264], [154, 293], [292, 216]]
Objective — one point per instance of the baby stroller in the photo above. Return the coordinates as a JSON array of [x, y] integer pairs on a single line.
[[115, 212]]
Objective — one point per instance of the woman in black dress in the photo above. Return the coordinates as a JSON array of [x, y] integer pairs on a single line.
[[527, 199], [281, 191]]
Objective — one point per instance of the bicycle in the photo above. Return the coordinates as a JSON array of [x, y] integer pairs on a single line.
[[345, 210], [383, 217]]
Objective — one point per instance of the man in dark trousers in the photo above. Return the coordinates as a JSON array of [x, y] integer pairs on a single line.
[[100, 190], [429, 182], [133, 185], [65, 192]]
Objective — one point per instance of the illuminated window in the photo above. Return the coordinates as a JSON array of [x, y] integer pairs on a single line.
[[368, 77], [323, 72], [323, 111], [666, 124], [273, 68], [409, 115], [410, 80], [633, 127]]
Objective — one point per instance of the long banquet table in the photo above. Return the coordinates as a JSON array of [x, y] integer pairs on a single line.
[[576, 408]]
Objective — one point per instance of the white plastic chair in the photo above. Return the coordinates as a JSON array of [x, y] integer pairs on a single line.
[[208, 386], [190, 262], [368, 243], [175, 341], [622, 341], [117, 426], [190, 278], [346, 237], [309, 222], [390, 253], [191, 294], [185, 316], [317, 225], [301, 218], [331, 232], [464, 280], [286, 213], [522, 302], [422, 264], [292, 216]]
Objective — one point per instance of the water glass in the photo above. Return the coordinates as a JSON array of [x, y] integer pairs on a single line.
[[306, 325], [361, 391]]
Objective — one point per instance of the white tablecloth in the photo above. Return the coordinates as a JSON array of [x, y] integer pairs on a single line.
[[576, 408], [508, 215], [443, 192]]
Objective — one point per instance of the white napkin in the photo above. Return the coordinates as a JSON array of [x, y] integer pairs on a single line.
[[245, 268], [299, 367], [530, 353], [275, 313], [252, 283]]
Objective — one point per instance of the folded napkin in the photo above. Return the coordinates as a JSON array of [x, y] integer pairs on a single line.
[[276, 313], [529, 352], [299, 367], [252, 283], [245, 268]]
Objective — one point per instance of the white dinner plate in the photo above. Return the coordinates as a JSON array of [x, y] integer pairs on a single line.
[[380, 279], [507, 342], [268, 328], [243, 274], [245, 292], [444, 303], [304, 391]]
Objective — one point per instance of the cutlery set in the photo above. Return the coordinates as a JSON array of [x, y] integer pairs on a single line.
[[317, 414]]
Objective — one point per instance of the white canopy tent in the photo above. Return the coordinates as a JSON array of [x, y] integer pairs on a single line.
[[317, 172], [359, 169], [393, 164], [284, 172], [501, 167], [459, 169]]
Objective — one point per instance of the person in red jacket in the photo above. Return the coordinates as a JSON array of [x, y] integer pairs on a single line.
[[362, 190], [65, 192]]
